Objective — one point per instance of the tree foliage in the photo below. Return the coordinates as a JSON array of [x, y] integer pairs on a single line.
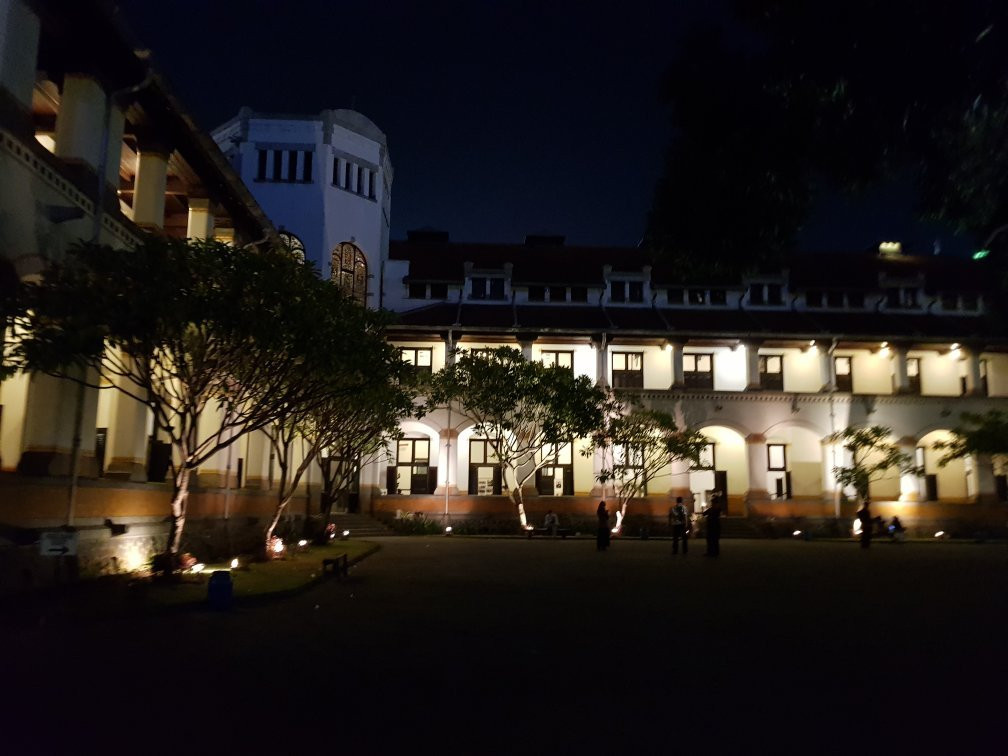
[[872, 457], [985, 433], [777, 108], [637, 446], [519, 406], [184, 328]]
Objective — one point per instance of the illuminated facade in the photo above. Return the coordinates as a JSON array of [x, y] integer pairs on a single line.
[[768, 367]]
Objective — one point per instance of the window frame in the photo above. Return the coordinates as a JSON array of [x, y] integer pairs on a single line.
[[698, 379], [556, 353], [848, 378], [775, 384], [427, 369], [626, 377]]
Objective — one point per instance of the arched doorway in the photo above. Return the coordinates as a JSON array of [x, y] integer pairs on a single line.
[[727, 468], [956, 481]]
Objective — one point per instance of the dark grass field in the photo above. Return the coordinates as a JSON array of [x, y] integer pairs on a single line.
[[512, 646]]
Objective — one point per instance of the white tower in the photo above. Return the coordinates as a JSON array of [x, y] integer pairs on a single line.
[[326, 180]]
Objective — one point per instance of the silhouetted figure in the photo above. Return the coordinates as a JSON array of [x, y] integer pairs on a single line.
[[680, 526], [713, 527], [896, 530], [551, 523], [865, 518], [602, 539]]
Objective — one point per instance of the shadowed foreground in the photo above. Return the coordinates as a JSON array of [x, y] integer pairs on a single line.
[[478, 645]]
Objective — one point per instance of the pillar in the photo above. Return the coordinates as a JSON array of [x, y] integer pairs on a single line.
[[80, 122], [48, 432], [19, 41], [447, 462], [201, 220], [127, 440], [601, 362], [113, 148], [830, 457], [679, 484], [756, 457], [257, 457], [986, 487], [526, 350], [678, 376], [826, 376], [149, 188], [213, 472], [901, 379], [753, 382], [910, 482], [974, 382], [449, 348]]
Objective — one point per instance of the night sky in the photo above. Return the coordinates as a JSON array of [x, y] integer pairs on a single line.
[[503, 117]]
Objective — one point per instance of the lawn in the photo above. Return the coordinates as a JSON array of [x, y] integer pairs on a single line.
[[257, 579]]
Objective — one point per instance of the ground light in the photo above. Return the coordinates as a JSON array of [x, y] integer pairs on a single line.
[[197, 568], [857, 527], [796, 533], [277, 546], [448, 530], [234, 563], [980, 254], [940, 534], [302, 543], [346, 534]]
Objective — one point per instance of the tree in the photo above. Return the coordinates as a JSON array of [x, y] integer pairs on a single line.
[[983, 434], [637, 445], [182, 327], [359, 390], [520, 407], [872, 457]]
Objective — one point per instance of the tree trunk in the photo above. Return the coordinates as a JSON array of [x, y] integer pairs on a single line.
[[519, 501], [281, 506], [180, 496]]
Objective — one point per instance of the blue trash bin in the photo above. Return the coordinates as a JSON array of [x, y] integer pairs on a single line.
[[220, 590]]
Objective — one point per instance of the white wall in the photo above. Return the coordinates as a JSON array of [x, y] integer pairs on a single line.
[[801, 370], [939, 373]]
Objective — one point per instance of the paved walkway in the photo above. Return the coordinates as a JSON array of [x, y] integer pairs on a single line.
[[482, 645]]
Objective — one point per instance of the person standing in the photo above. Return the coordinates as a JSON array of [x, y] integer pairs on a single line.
[[713, 528], [865, 518], [551, 522], [680, 527], [602, 539]]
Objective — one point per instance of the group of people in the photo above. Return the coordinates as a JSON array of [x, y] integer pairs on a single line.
[[679, 519], [895, 529]]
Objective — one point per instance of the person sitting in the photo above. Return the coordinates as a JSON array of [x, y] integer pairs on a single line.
[[896, 530]]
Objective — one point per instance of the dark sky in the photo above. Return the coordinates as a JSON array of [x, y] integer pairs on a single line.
[[504, 117]]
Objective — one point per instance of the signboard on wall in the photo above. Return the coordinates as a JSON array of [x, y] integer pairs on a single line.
[[58, 543]]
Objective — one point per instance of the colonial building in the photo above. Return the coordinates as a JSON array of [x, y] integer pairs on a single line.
[[94, 146], [768, 367]]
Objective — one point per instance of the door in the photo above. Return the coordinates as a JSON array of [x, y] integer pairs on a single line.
[[721, 484], [101, 439]]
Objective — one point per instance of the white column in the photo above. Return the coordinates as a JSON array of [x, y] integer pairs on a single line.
[[226, 235], [447, 462], [127, 439], [201, 220], [49, 431], [526, 350], [19, 39], [756, 457], [826, 376], [678, 375], [752, 366], [257, 455], [974, 383], [901, 379], [986, 487], [113, 147], [149, 188], [910, 484], [80, 123], [449, 348], [601, 363], [679, 480]]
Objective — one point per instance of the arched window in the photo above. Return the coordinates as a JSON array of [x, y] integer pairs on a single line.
[[349, 271], [294, 245]]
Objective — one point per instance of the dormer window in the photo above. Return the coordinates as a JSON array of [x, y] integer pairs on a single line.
[[901, 297], [675, 296], [487, 288], [579, 294], [774, 294], [439, 291], [813, 298], [970, 302], [697, 296], [718, 297], [756, 294], [834, 299], [627, 291], [855, 299], [537, 294], [557, 294]]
